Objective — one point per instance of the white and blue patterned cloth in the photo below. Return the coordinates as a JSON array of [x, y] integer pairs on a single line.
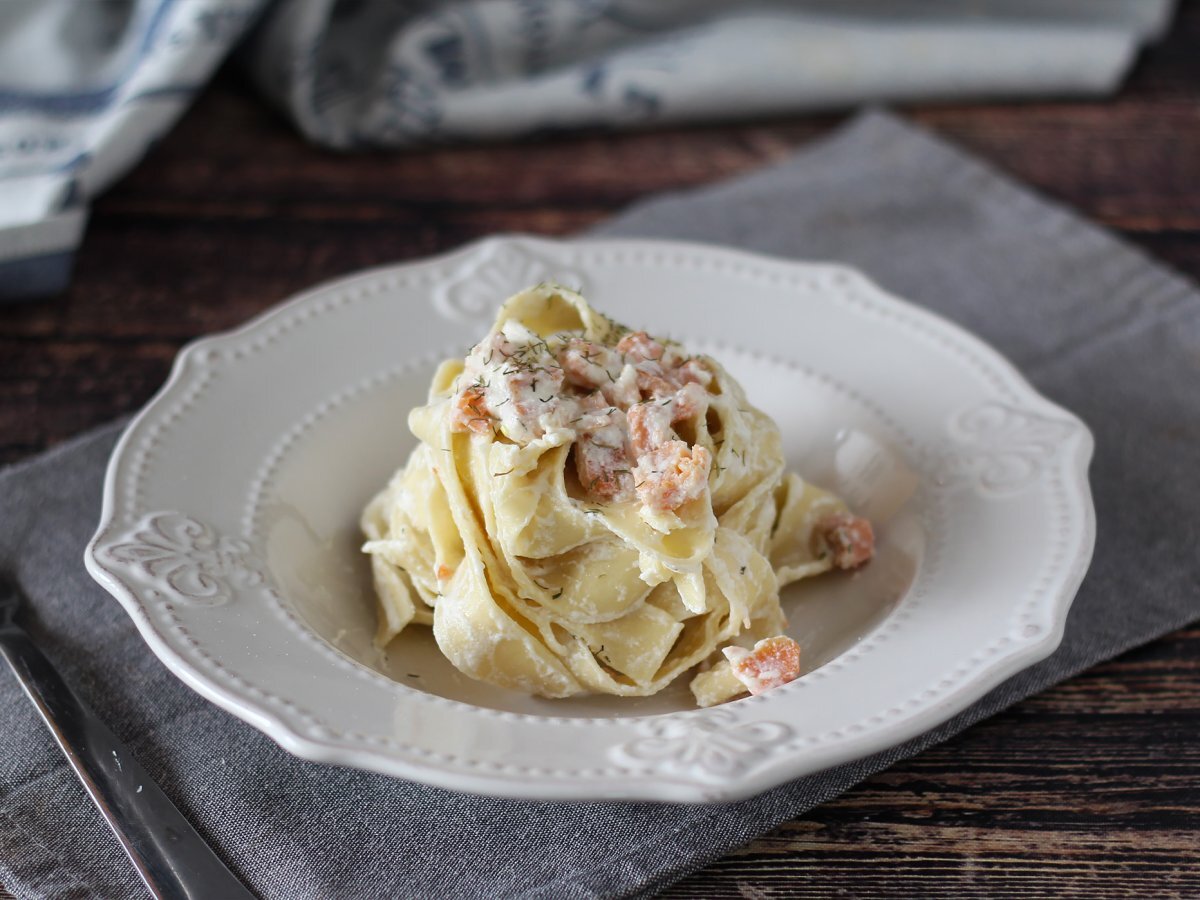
[[86, 86]]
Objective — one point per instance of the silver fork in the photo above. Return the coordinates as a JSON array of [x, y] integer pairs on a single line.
[[171, 857]]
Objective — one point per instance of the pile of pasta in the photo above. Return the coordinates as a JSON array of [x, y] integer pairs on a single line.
[[537, 581]]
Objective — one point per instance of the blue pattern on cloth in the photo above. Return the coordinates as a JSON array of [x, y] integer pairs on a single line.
[[85, 88]]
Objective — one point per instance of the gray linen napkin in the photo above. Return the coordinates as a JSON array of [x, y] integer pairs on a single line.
[[1097, 326]]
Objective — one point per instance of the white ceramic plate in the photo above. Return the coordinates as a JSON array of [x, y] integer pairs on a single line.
[[229, 529]]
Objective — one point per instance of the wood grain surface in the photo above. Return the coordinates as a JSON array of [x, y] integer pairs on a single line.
[[1091, 789]]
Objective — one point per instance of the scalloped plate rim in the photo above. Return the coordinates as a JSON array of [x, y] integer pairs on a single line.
[[771, 774]]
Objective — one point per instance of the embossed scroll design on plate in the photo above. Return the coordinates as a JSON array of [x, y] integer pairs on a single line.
[[501, 270], [185, 560], [1001, 450], [709, 748]]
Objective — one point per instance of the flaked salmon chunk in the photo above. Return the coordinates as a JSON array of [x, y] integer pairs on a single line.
[[848, 538], [601, 451], [672, 474], [773, 662], [470, 411]]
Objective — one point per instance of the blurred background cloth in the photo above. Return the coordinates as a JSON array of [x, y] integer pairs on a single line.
[[86, 87]]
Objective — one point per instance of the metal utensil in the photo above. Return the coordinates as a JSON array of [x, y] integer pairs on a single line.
[[171, 857]]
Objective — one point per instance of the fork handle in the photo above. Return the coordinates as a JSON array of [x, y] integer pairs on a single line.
[[171, 857]]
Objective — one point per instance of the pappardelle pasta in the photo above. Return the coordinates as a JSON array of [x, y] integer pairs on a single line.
[[593, 510]]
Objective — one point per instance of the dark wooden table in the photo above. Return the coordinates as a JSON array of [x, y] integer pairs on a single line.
[[1089, 789]]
